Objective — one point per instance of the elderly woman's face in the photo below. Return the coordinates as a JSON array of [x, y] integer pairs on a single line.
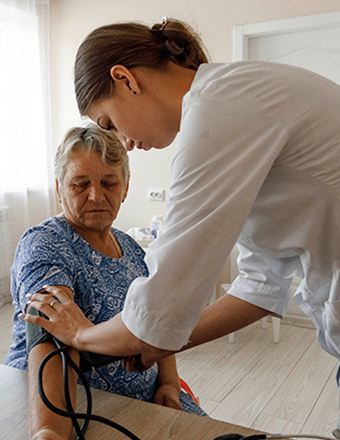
[[91, 191]]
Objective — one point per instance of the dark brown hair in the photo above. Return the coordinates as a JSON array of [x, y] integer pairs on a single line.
[[131, 45]]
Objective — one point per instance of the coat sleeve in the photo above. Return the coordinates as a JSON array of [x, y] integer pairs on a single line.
[[264, 281], [226, 148]]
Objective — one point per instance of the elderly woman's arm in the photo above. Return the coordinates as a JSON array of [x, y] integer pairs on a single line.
[[44, 424], [169, 388]]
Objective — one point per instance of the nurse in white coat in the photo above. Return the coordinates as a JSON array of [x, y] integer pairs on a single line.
[[258, 162]]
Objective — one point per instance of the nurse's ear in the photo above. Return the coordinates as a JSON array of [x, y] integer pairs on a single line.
[[126, 189], [123, 77]]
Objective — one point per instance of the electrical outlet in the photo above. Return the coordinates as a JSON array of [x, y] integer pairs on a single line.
[[156, 195]]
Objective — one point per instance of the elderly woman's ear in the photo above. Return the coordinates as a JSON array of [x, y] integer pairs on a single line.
[[126, 189], [57, 189]]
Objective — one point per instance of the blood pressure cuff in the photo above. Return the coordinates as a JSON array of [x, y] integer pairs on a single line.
[[36, 335], [89, 360]]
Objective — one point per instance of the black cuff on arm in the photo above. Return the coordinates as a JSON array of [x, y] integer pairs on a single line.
[[35, 334], [89, 360]]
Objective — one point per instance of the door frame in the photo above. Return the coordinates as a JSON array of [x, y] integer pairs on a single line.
[[243, 33]]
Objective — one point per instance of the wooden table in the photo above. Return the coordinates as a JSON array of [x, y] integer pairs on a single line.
[[146, 420]]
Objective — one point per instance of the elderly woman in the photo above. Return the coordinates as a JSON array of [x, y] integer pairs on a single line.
[[94, 264]]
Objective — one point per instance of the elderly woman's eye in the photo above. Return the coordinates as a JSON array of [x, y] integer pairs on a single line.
[[80, 185], [109, 184]]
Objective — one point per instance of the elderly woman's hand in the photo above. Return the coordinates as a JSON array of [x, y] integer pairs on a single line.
[[66, 320], [168, 395], [169, 387]]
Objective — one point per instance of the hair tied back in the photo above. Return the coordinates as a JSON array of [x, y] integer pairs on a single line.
[[173, 47], [131, 44]]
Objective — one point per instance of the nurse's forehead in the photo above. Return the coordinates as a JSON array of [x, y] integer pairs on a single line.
[[98, 109]]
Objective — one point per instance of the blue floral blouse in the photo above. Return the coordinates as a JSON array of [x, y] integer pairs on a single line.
[[54, 253]]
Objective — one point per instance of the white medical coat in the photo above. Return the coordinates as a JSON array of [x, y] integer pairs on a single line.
[[258, 161]]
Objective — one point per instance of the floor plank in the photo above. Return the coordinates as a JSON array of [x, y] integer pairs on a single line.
[[248, 399], [324, 415], [294, 342], [275, 425], [295, 399], [215, 384]]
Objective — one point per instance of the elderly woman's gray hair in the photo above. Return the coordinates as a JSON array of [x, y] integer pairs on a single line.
[[90, 138]]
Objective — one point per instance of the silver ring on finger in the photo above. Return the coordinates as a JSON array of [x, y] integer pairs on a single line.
[[53, 302]]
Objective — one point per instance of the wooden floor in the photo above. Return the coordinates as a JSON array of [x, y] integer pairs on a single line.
[[288, 387]]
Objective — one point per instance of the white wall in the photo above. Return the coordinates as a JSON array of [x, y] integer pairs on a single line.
[[72, 20]]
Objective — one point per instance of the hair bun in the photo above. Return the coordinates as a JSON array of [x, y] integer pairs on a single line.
[[173, 47], [174, 40]]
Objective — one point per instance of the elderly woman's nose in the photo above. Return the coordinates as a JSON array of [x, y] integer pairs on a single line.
[[96, 193]]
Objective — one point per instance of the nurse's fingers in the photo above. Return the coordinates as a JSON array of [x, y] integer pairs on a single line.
[[62, 293], [65, 319], [129, 364], [38, 320], [134, 364], [50, 301]]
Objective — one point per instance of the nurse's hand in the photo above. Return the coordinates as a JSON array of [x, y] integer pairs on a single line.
[[65, 320], [149, 356], [68, 324]]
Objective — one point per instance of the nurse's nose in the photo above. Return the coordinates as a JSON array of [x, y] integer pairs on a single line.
[[128, 144]]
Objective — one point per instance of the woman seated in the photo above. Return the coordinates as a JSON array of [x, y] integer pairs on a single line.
[[95, 264]]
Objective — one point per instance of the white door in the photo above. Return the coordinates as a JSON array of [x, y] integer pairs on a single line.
[[316, 50], [311, 42]]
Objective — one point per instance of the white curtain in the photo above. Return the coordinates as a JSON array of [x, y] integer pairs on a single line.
[[26, 158]]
